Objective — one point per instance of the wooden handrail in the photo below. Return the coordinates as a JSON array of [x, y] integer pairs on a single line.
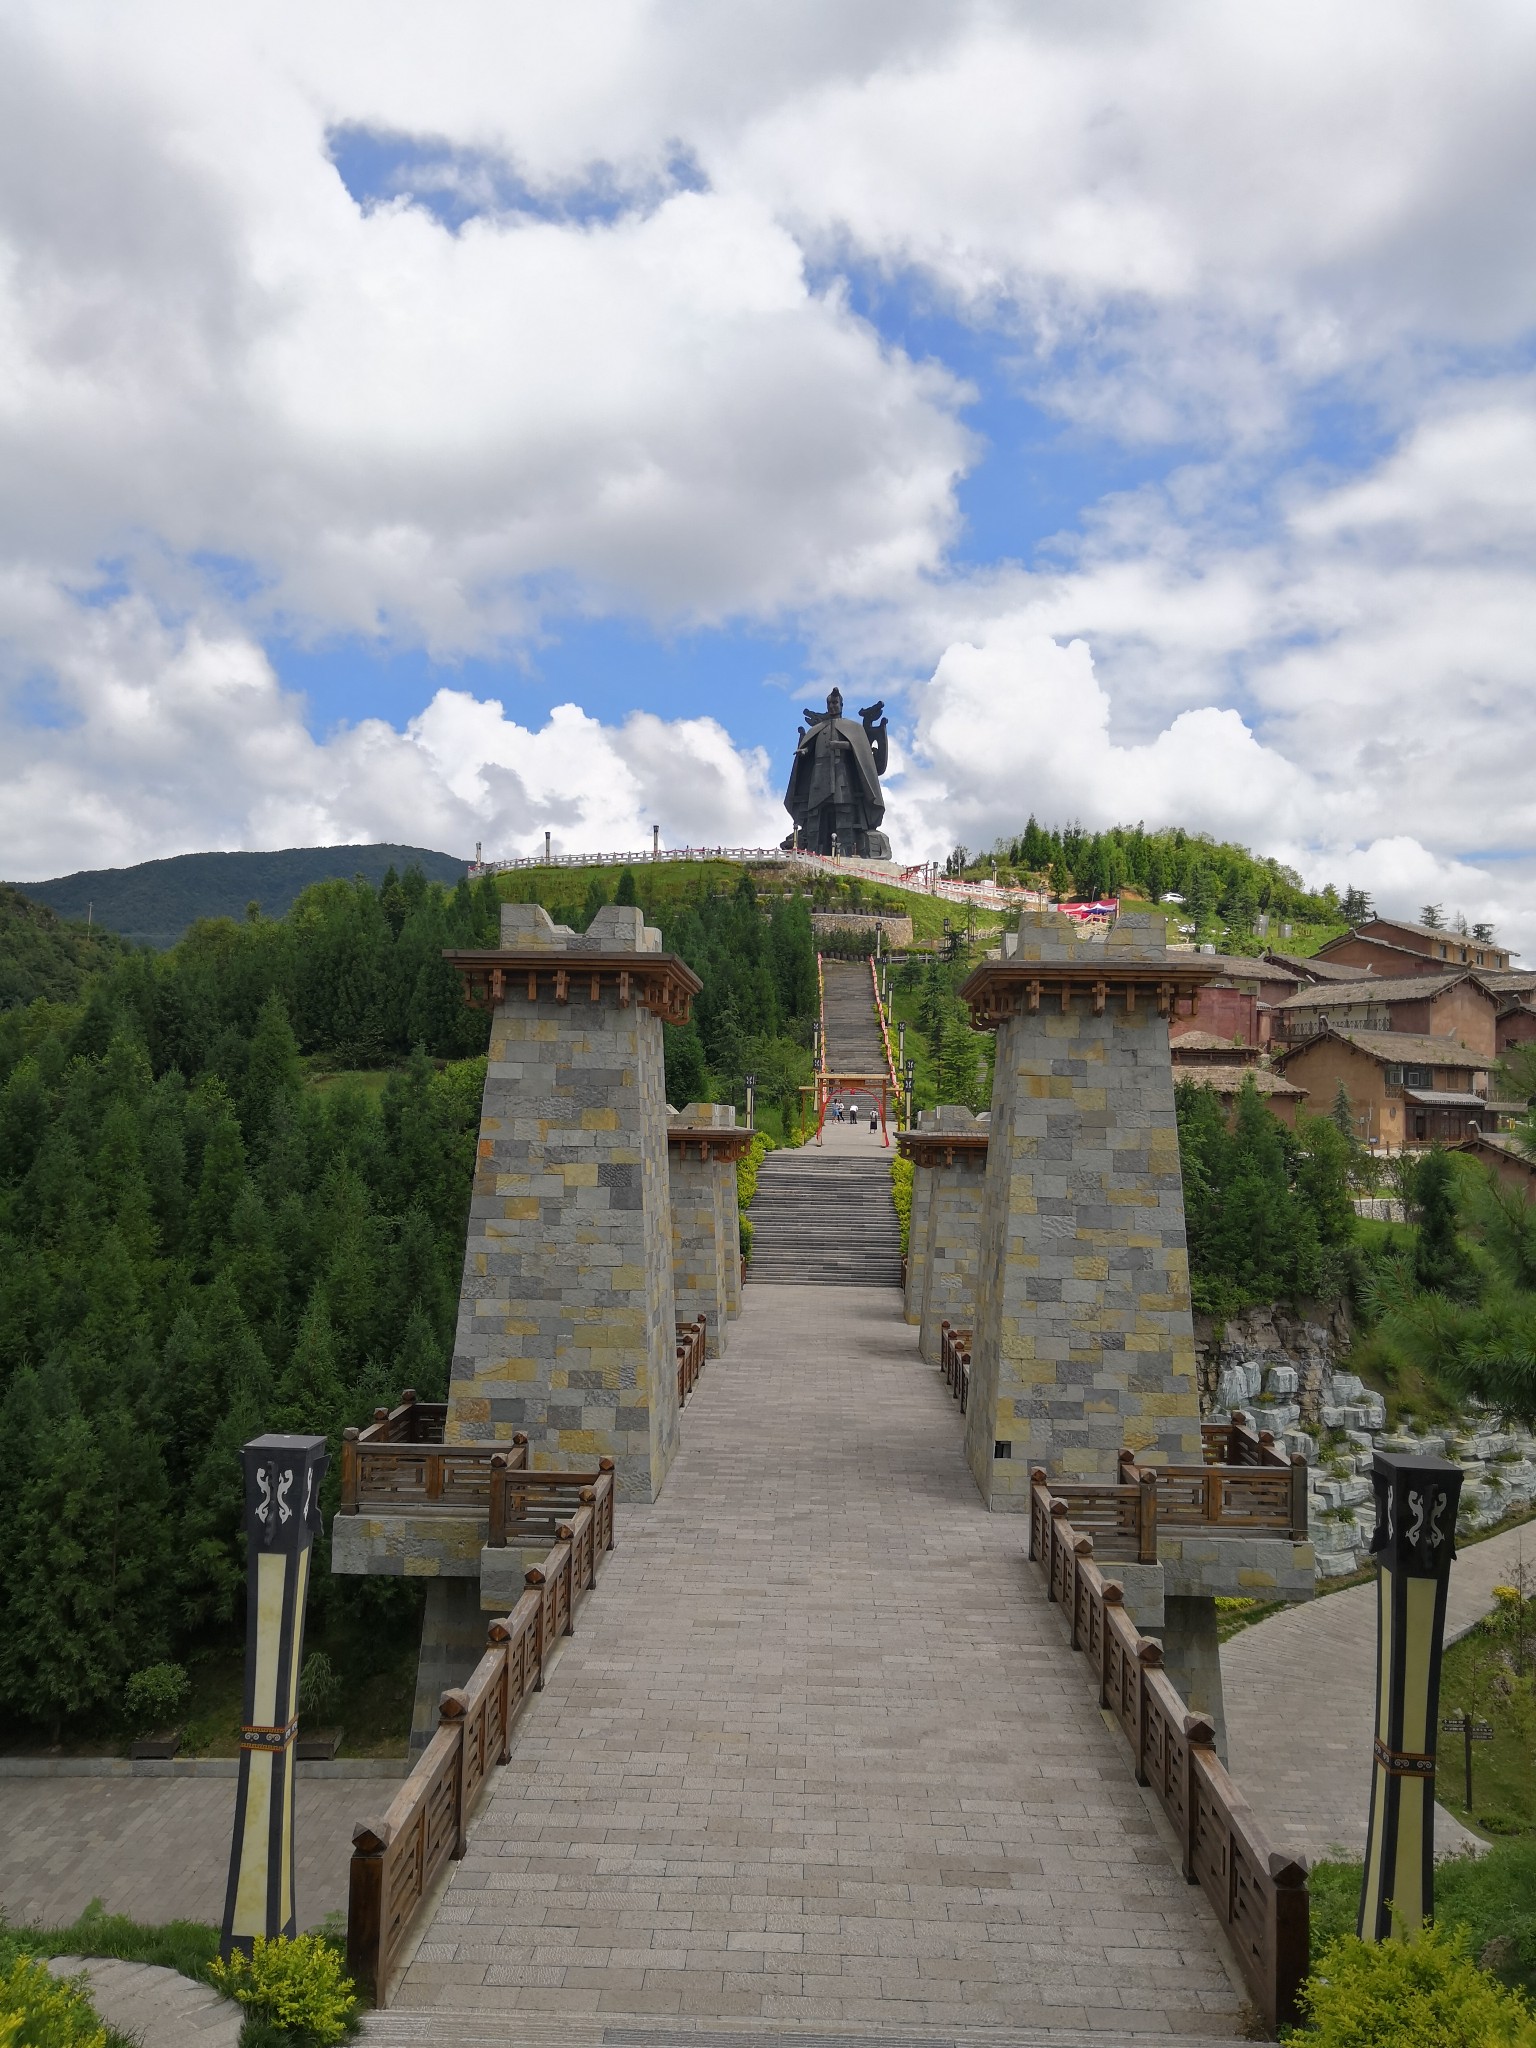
[[1259, 1893], [413, 1475], [692, 1349], [397, 1861]]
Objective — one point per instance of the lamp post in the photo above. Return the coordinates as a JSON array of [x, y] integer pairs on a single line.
[[909, 1069], [282, 1520], [1413, 1543], [901, 1044], [751, 1081]]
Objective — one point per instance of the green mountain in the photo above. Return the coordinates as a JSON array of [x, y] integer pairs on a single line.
[[156, 901]]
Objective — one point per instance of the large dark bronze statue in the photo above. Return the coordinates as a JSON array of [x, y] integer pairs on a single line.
[[834, 787]]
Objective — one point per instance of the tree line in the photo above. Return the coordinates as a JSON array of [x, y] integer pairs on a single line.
[[234, 1182]]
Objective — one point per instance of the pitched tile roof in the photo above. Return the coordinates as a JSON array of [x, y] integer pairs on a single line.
[[1228, 1080], [1307, 968], [1403, 988], [1398, 1048]]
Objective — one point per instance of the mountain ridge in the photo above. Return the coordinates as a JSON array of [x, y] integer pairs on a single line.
[[154, 901]]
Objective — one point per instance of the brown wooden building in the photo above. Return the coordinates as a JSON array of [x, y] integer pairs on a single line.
[[1405, 1090], [1236, 1002], [1510, 1161], [1214, 1063], [1393, 946], [1457, 1006]]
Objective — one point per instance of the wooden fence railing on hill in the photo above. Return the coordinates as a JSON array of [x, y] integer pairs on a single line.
[[1259, 1893], [397, 1861]]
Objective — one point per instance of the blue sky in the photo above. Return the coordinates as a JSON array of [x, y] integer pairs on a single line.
[[1140, 401]]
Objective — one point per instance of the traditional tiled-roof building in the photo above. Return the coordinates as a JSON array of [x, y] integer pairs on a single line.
[[1404, 1089], [1458, 1006]]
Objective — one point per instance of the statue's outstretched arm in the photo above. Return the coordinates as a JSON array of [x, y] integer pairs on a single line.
[[878, 735]]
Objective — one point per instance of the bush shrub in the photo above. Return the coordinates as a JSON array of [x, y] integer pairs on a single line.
[[1423, 1993], [901, 1200], [156, 1695], [298, 1985], [40, 2011], [319, 1687]]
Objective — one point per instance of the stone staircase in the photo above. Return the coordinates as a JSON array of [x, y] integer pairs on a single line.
[[822, 1215], [854, 1045], [824, 1218]]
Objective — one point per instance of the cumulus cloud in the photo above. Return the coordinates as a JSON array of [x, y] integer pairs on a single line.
[[236, 392], [162, 737]]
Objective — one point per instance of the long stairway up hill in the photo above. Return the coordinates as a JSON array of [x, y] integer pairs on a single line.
[[823, 1215], [854, 1044]]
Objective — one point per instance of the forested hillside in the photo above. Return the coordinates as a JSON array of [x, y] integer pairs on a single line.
[[1225, 888], [42, 954], [155, 902], [234, 1178]]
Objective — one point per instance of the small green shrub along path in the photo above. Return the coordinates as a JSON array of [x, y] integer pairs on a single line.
[[165, 1987]]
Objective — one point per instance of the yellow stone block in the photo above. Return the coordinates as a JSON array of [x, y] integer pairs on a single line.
[[579, 1173], [599, 1119], [524, 1209], [1254, 1579], [588, 1440]]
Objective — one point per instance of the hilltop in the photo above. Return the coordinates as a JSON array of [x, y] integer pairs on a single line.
[[154, 902]]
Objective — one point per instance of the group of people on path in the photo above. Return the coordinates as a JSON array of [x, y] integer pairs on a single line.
[[851, 1115]]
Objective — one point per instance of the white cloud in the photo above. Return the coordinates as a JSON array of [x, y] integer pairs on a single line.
[[166, 738], [253, 400]]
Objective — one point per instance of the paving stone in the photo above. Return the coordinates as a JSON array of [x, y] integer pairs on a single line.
[[818, 1752], [157, 2007], [158, 1848]]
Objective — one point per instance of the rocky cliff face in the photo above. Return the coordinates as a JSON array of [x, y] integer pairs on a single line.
[[1282, 1367]]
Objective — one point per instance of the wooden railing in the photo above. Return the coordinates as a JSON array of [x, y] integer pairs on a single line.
[[1235, 1443], [528, 1508], [692, 1348], [398, 1861], [400, 1462], [1259, 1893], [955, 1362], [1260, 1492]]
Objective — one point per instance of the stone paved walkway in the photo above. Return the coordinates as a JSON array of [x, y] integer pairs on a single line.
[[159, 2008], [158, 1848], [819, 1756], [1300, 1691]]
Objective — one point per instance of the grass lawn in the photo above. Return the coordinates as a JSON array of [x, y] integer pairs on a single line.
[[1479, 1676]]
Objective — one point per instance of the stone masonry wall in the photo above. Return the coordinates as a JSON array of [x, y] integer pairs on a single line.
[[954, 1244], [1084, 1336], [917, 1247], [566, 1316], [701, 1249]]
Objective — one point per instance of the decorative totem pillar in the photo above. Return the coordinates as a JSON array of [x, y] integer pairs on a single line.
[[1413, 1542], [282, 1520]]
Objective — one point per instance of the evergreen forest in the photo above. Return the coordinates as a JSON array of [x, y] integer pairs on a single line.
[[234, 1178]]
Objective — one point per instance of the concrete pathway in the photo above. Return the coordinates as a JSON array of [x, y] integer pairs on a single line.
[[160, 2008], [818, 1758], [1300, 1704], [158, 1848]]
